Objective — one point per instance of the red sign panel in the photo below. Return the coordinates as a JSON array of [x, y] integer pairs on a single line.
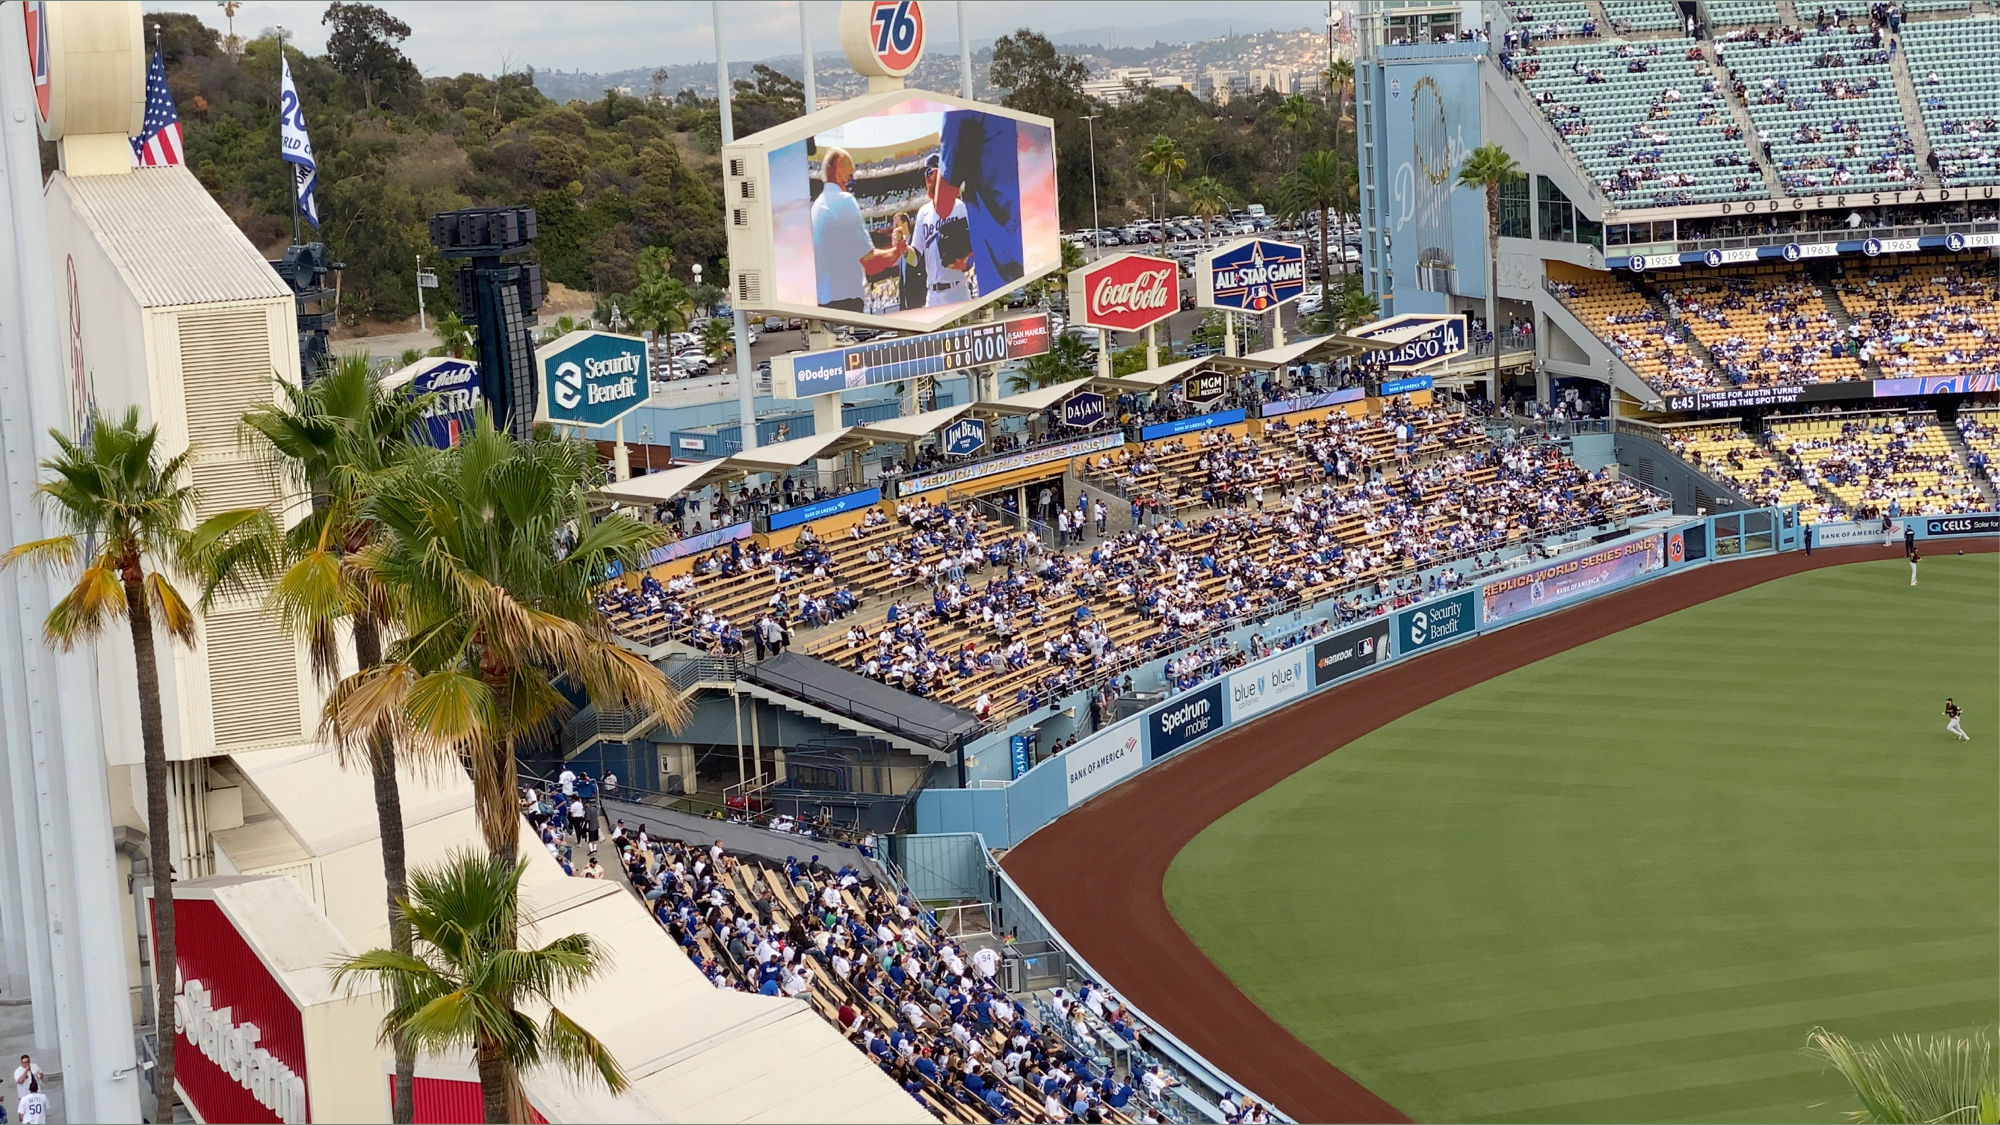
[[239, 1041], [1125, 293], [37, 17]]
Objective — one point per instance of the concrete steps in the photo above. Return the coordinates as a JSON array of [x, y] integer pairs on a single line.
[[1741, 112], [1913, 116]]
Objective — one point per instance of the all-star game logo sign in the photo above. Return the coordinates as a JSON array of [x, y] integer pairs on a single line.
[[1254, 275]]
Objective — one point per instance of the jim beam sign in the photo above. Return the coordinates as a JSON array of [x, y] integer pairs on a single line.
[[1125, 293]]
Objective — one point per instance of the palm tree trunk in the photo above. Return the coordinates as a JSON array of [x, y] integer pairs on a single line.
[[395, 870], [1493, 280], [496, 1080], [159, 836], [1325, 263]]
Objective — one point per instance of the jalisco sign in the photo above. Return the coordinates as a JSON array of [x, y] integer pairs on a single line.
[[592, 378], [1251, 275], [1444, 336], [1125, 293]]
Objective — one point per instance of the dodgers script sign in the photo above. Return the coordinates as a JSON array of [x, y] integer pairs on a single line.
[[1125, 293], [592, 378], [1251, 275]]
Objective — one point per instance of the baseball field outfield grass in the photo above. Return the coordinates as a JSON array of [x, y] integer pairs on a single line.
[[1622, 883]]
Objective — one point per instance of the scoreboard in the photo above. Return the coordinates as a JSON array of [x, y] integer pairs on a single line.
[[805, 374]]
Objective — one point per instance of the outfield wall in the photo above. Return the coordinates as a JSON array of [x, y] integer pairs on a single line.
[[1006, 814]]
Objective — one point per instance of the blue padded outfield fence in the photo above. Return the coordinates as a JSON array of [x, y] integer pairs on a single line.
[[950, 858]]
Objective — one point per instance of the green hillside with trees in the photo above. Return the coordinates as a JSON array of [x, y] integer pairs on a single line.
[[614, 178]]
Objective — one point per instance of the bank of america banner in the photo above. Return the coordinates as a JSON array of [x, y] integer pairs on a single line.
[[1556, 583]]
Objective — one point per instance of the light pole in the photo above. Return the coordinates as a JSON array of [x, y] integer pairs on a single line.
[[697, 283], [1096, 232], [646, 436]]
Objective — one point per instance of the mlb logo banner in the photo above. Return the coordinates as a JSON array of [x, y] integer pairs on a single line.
[[1250, 275], [964, 437]]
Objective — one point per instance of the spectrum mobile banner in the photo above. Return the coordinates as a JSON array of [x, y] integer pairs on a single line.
[[1560, 582]]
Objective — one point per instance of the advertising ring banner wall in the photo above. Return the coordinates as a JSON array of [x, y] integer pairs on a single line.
[[1551, 585]]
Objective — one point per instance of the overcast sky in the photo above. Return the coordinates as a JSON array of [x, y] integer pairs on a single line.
[[596, 36]]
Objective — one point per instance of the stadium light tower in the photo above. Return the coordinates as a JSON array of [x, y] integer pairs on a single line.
[[1096, 233]]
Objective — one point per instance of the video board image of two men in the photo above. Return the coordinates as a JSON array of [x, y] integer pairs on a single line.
[[920, 208]]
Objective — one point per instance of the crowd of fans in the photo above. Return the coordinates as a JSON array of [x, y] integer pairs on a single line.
[[1880, 466], [929, 1010], [1914, 316], [1762, 331]]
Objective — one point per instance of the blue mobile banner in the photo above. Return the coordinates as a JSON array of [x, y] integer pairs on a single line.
[[820, 509]]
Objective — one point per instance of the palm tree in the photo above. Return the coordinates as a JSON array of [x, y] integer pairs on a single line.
[[1163, 158], [1946, 1079], [563, 326], [1355, 309], [230, 43], [493, 610], [1339, 75], [463, 983], [455, 336], [125, 513], [334, 441], [1296, 116], [1068, 358], [1206, 198], [718, 338], [1315, 186], [1485, 169], [658, 300]]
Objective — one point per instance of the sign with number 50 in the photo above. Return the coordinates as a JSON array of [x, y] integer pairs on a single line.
[[882, 38]]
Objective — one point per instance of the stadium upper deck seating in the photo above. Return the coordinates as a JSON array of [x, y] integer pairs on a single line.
[[1643, 15], [1766, 326], [1646, 118], [1554, 18], [1962, 107], [1924, 315], [1829, 106], [1737, 13]]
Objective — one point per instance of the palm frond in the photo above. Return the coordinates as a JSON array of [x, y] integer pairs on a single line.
[[1911, 1080], [582, 1053], [55, 551], [97, 599], [170, 608]]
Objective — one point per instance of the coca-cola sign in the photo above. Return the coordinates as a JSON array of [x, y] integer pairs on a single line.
[[1125, 293]]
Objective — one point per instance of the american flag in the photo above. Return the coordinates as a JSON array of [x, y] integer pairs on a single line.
[[159, 142]]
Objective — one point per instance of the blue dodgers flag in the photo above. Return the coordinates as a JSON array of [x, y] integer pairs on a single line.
[[981, 157], [296, 147]]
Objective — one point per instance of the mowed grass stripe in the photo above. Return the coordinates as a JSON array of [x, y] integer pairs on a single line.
[[1621, 884]]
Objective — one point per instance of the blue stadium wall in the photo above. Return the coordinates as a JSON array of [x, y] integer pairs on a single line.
[[1420, 110]]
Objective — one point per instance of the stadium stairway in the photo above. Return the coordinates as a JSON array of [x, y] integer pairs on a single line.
[[1741, 113], [1788, 14], [1913, 118], [1596, 10], [1838, 311], [1694, 344], [1963, 453]]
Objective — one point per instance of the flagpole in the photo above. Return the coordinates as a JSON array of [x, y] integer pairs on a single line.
[[282, 36]]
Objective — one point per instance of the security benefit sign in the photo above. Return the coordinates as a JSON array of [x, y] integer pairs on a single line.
[[1571, 578], [1250, 275], [1103, 761], [592, 378], [1183, 719], [1271, 683], [1346, 653], [1439, 621]]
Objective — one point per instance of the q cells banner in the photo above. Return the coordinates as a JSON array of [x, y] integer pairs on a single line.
[[1345, 653], [1185, 718], [1272, 683], [1572, 578], [1103, 761], [1978, 523]]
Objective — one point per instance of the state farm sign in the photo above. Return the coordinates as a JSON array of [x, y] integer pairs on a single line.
[[1125, 293]]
